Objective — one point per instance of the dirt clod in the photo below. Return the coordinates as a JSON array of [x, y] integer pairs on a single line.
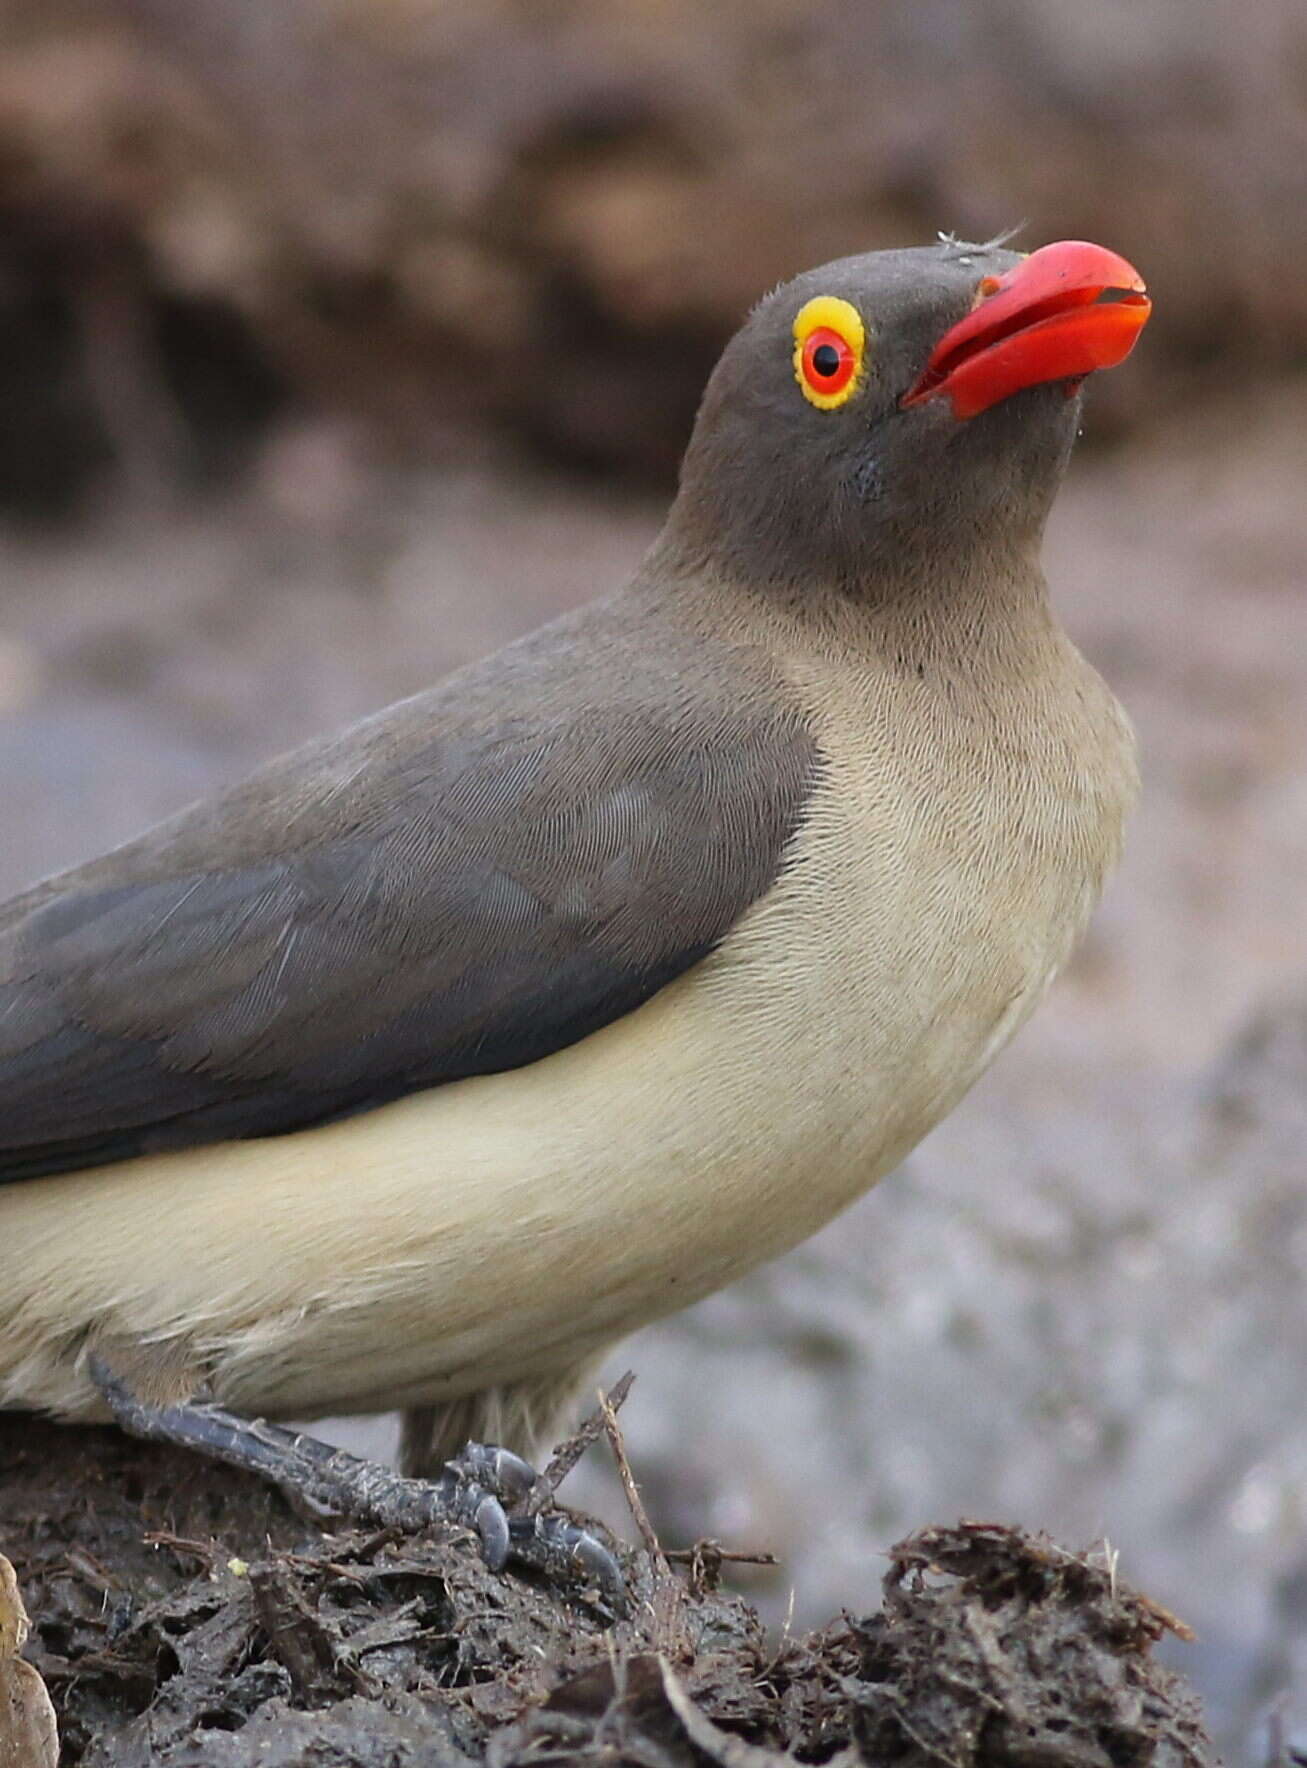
[[996, 1647], [182, 1616]]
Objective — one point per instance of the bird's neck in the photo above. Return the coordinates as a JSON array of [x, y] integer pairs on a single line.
[[955, 604]]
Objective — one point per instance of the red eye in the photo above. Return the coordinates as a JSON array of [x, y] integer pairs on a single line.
[[830, 351], [828, 361]]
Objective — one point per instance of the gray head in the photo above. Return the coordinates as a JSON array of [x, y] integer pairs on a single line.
[[886, 410]]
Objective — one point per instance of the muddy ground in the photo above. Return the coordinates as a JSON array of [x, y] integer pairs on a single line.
[[1080, 1305], [183, 1617]]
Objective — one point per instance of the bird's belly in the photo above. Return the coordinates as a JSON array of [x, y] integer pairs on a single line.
[[511, 1224]]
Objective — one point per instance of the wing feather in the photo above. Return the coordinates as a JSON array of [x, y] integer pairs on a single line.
[[464, 884]]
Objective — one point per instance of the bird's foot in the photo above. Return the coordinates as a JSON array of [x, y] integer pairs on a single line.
[[484, 1488], [562, 1549]]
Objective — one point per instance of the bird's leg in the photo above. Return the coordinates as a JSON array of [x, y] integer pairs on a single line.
[[476, 1488], [331, 1481]]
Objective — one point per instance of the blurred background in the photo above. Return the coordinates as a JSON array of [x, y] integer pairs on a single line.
[[341, 340]]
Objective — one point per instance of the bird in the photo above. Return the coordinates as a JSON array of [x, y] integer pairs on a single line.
[[418, 1069]]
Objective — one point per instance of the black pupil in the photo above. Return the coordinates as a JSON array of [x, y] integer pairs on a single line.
[[826, 360]]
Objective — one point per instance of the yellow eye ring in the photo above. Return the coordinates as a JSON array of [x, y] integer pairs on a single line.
[[830, 344]]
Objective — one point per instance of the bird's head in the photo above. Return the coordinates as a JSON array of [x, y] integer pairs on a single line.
[[888, 409]]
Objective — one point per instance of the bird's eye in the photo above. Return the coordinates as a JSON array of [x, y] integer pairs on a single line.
[[830, 344]]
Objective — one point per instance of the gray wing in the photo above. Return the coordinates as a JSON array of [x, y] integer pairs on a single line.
[[461, 885]]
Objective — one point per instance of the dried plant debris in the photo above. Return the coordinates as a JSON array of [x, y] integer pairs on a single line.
[[29, 1736], [181, 1615]]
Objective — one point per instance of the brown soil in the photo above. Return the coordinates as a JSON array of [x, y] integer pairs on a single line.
[[183, 1615]]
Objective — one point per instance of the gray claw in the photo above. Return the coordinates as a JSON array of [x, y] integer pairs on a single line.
[[512, 1474], [599, 1563], [500, 1470], [552, 1543], [487, 1484], [491, 1524]]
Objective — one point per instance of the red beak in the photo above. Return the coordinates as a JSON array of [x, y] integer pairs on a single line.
[[1065, 310]]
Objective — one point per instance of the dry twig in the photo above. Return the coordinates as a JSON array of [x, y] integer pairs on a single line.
[[569, 1452]]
